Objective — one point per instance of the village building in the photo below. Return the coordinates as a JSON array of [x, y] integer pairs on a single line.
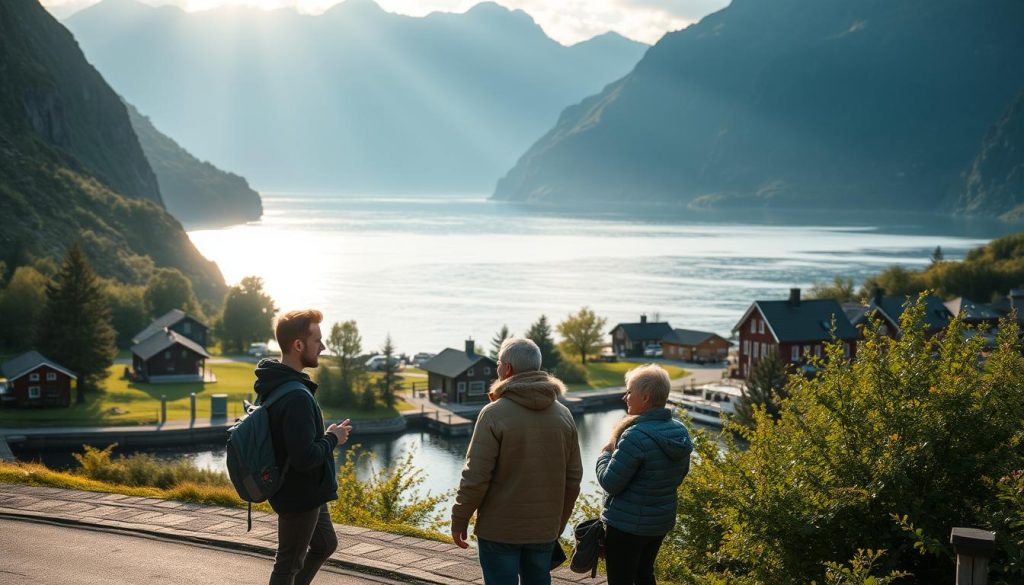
[[460, 376], [973, 313], [168, 356], [796, 329], [179, 322], [631, 339], [32, 380], [695, 346], [888, 309]]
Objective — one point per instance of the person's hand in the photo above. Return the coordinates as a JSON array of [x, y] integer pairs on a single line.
[[341, 430], [459, 537], [609, 448]]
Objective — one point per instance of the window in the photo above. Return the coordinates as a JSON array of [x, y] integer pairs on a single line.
[[817, 351], [184, 353], [807, 350], [757, 346], [477, 389], [34, 392], [794, 353], [753, 325], [760, 326], [51, 376], [469, 372], [746, 347], [186, 327], [460, 387], [487, 370], [846, 349], [33, 377], [167, 355]]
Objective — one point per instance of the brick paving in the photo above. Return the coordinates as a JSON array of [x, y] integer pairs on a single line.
[[404, 558]]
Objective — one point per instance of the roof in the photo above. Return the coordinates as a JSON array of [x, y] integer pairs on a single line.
[[971, 310], [689, 337], [641, 331], [163, 340], [936, 315], [29, 361], [808, 320], [168, 319], [452, 362]]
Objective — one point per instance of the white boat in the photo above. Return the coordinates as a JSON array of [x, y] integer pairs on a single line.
[[710, 404]]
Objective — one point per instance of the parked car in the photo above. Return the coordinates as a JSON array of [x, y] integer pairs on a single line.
[[421, 358], [653, 351], [376, 363], [258, 349]]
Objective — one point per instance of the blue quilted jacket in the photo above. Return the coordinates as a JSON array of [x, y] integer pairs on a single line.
[[641, 476]]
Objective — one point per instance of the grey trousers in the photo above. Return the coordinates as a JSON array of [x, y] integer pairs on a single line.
[[304, 541]]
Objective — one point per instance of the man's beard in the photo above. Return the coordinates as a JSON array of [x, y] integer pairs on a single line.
[[310, 362]]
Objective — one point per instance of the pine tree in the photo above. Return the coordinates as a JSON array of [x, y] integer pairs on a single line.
[[390, 382], [75, 330], [765, 388], [499, 337], [540, 333]]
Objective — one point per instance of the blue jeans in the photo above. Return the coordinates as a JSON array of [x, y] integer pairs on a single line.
[[506, 564]]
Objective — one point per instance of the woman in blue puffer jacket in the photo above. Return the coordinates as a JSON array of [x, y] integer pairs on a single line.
[[640, 470]]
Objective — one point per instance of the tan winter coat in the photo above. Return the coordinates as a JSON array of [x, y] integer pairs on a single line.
[[523, 468]]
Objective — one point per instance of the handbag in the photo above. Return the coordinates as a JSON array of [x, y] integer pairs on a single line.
[[589, 536]]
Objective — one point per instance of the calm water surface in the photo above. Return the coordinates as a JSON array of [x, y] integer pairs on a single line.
[[432, 271]]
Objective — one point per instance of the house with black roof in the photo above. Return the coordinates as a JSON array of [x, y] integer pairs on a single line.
[[795, 328], [460, 376], [973, 313], [1014, 301], [694, 346], [33, 380], [889, 309], [630, 339], [168, 356], [179, 322]]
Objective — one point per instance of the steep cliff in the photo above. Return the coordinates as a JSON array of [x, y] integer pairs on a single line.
[[995, 183]]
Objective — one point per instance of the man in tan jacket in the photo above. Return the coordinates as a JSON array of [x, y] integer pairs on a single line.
[[522, 471]]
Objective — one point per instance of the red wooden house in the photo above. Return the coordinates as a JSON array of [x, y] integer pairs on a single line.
[[796, 329], [35, 381]]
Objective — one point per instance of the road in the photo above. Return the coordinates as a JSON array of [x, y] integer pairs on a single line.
[[52, 554]]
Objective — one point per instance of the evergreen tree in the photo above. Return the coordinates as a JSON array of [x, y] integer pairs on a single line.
[[75, 329], [766, 388], [582, 333], [248, 315], [937, 255], [346, 344], [390, 381], [128, 311], [368, 399], [499, 337], [540, 333]]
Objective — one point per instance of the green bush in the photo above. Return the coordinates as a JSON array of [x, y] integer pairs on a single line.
[[571, 372], [886, 453], [144, 470]]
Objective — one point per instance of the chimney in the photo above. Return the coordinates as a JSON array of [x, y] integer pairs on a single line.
[[877, 296], [643, 319], [794, 297], [470, 346]]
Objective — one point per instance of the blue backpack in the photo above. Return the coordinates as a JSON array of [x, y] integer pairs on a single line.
[[251, 463]]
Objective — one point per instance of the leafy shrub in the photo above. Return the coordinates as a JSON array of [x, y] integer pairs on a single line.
[[571, 372]]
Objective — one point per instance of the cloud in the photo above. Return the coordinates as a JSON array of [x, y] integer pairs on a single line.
[[567, 21]]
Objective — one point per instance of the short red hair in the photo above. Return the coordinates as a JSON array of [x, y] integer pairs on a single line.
[[295, 325]]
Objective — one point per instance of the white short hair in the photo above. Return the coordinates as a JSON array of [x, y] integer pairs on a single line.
[[650, 380], [520, 353]]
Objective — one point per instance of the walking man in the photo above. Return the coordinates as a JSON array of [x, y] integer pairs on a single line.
[[522, 472], [305, 534]]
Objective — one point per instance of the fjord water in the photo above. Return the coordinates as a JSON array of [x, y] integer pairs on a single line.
[[433, 271]]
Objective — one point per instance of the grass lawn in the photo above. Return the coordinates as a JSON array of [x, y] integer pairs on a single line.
[[125, 403], [605, 374]]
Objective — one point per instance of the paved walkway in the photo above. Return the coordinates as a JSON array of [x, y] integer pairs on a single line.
[[407, 559]]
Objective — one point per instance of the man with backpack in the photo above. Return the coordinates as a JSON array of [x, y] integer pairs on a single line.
[[303, 447]]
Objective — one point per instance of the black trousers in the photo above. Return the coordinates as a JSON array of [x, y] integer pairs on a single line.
[[304, 541], [629, 558]]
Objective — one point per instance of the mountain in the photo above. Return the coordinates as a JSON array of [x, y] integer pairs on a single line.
[[355, 99], [197, 193], [71, 167], [827, 104], [995, 182]]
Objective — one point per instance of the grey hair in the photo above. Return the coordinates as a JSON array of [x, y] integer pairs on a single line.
[[520, 353], [650, 380]]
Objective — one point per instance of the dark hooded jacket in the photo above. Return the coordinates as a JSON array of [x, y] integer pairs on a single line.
[[297, 430], [523, 467], [641, 476]]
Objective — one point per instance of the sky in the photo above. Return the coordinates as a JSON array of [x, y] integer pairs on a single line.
[[566, 21]]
